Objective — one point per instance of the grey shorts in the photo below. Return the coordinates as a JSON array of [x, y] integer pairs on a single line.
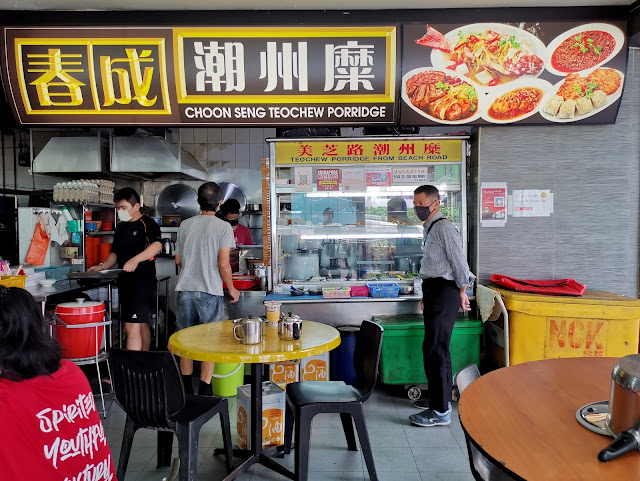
[[195, 307]]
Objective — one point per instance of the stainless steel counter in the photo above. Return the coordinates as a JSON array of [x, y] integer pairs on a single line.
[[66, 287], [349, 312], [251, 303]]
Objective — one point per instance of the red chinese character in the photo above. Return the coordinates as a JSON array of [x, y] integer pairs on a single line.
[[432, 148], [381, 149], [330, 149], [406, 149], [354, 149], [305, 149]]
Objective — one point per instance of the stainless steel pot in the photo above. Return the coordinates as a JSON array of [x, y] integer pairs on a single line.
[[402, 264], [624, 408], [251, 330], [290, 328], [301, 266]]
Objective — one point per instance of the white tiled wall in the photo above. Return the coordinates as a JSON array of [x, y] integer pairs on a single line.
[[229, 148]]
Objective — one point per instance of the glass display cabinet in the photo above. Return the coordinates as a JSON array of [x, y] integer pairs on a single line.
[[348, 218]]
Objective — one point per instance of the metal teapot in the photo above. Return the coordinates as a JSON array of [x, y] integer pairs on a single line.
[[290, 327], [251, 330]]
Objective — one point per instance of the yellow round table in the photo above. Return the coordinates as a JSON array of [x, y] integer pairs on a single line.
[[215, 342]]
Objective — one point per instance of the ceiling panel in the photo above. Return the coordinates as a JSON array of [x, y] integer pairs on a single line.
[[88, 5]]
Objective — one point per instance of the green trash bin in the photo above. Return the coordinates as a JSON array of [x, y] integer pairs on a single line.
[[226, 378], [401, 358]]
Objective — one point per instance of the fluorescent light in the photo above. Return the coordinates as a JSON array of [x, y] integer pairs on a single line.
[[371, 235]]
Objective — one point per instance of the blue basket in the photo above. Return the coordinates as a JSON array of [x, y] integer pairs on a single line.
[[383, 289]]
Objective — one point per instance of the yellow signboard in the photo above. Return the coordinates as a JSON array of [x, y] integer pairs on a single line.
[[367, 151]]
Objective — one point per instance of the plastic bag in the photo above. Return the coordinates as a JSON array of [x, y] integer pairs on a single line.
[[37, 252]]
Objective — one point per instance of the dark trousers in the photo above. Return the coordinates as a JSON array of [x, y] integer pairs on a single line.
[[441, 303]]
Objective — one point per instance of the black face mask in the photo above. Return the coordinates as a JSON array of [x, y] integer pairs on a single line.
[[233, 222], [423, 213]]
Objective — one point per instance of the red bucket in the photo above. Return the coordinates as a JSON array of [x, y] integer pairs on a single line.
[[78, 343]]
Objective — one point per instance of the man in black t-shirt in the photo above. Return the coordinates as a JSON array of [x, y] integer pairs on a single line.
[[135, 244]]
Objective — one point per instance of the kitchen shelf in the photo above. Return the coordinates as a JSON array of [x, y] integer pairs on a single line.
[[169, 229], [101, 232]]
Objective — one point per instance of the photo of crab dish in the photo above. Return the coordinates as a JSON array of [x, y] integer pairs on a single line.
[[515, 101], [583, 48], [580, 96], [442, 96], [490, 54]]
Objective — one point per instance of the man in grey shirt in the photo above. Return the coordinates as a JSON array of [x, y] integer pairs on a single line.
[[445, 277], [203, 247]]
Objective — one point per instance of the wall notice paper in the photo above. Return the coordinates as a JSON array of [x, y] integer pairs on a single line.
[[328, 179], [493, 204], [380, 176], [303, 179], [353, 180], [532, 203], [409, 175]]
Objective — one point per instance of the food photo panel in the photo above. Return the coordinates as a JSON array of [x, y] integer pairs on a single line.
[[505, 73]]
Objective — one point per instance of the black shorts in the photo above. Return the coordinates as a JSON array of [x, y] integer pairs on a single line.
[[137, 298]]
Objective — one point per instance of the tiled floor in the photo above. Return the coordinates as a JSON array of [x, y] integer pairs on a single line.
[[401, 451]]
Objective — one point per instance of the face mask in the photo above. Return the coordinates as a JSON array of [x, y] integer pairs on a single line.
[[233, 222], [423, 213], [124, 215]]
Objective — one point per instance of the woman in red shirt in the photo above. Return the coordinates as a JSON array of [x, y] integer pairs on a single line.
[[51, 430]]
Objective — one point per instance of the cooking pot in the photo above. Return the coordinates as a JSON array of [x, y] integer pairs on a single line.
[[290, 327], [624, 408], [301, 266], [171, 220], [249, 330], [402, 264]]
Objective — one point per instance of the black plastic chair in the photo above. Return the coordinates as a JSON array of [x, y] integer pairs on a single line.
[[149, 388], [482, 468], [307, 398]]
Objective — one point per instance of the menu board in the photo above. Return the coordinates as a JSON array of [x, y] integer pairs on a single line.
[[505, 73]]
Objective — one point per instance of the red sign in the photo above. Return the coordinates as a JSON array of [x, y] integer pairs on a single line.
[[328, 179]]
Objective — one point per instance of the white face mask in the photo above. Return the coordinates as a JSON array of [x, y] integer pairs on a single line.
[[124, 215]]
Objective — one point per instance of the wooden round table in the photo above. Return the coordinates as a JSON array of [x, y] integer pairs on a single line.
[[524, 417], [215, 342]]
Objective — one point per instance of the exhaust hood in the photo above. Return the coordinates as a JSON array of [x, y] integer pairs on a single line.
[[154, 157], [142, 156], [72, 155]]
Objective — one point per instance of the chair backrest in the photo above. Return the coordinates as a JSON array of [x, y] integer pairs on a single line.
[[366, 357], [466, 376], [147, 386]]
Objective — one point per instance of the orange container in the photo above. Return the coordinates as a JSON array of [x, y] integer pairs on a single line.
[[104, 249], [91, 244]]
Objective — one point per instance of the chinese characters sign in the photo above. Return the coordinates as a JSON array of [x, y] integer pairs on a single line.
[[228, 75], [368, 151]]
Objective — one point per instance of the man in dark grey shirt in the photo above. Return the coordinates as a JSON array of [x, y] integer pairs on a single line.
[[445, 276]]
